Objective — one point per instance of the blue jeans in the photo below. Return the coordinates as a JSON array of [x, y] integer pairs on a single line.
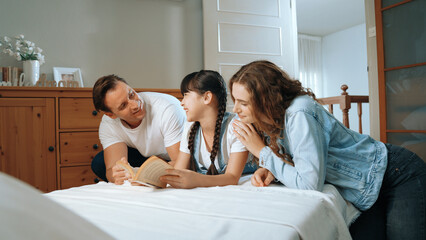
[[134, 158], [400, 210]]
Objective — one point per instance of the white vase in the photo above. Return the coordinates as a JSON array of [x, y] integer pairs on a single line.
[[31, 71]]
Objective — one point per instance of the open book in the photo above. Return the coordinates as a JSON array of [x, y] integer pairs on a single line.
[[149, 173]]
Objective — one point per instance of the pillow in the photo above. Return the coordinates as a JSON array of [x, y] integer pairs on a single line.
[[26, 214]]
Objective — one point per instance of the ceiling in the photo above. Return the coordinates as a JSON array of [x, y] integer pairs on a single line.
[[322, 17]]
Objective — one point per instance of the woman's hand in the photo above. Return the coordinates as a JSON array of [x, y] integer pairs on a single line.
[[262, 177], [248, 136], [119, 174], [180, 178]]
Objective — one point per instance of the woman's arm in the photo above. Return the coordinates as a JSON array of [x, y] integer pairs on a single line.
[[184, 178], [308, 145]]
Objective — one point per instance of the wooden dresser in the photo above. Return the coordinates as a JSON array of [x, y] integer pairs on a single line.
[[49, 136]]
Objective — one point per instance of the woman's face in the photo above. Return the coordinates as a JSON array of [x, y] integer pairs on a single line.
[[242, 103]]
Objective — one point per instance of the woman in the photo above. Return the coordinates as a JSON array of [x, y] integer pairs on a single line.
[[303, 146], [209, 148]]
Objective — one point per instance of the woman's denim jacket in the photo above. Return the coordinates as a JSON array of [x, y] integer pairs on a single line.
[[325, 151], [250, 166]]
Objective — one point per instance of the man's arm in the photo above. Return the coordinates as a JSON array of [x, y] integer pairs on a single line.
[[173, 152], [112, 154]]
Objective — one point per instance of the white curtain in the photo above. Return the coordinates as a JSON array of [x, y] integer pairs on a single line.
[[310, 67]]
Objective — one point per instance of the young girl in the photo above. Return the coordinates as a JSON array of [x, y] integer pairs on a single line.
[[304, 146], [208, 147]]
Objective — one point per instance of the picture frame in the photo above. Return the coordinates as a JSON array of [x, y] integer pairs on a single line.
[[63, 73]]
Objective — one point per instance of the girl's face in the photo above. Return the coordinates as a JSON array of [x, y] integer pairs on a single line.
[[193, 104], [242, 103]]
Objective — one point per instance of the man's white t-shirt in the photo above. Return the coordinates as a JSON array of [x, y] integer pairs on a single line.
[[160, 128], [229, 141]]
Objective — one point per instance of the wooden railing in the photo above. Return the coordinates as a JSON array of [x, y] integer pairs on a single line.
[[345, 100]]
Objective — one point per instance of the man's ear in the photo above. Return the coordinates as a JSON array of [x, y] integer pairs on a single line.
[[208, 97], [111, 115]]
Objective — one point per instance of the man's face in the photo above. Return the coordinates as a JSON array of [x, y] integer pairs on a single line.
[[125, 104]]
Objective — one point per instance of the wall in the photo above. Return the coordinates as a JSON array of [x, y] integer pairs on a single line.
[[373, 80], [345, 62], [150, 43]]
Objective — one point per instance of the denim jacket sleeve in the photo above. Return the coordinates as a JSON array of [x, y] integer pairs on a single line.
[[307, 143]]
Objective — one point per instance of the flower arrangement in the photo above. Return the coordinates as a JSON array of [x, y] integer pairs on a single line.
[[22, 49]]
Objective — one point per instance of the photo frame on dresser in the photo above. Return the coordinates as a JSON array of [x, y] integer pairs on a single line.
[[63, 76]]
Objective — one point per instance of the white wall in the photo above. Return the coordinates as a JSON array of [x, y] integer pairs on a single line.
[[345, 62], [150, 43]]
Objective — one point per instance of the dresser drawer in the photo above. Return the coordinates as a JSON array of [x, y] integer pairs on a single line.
[[78, 147], [78, 113], [76, 176]]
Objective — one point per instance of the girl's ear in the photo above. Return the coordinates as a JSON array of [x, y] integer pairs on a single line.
[[208, 97]]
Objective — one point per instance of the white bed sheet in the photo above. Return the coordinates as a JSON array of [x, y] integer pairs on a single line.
[[231, 212]]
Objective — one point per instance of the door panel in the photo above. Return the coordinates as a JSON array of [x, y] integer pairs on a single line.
[[27, 129]]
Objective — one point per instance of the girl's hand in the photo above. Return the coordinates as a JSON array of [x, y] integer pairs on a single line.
[[262, 177], [180, 178], [248, 136], [119, 174]]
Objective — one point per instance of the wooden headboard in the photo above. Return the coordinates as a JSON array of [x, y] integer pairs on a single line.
[[345, 100]]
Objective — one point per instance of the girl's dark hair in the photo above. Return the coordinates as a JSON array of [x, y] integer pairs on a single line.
[[202, 82], [101, 87], [272, 91]]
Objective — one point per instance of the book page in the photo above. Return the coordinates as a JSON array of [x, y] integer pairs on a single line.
[[151, 171]]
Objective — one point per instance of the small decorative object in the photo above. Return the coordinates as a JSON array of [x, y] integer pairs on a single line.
[[26, 51], [65, 76], [67, 83], [43, 82]]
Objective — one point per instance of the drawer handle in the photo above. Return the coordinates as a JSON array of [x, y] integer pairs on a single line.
[[94, 113], [95, 146], [51, 149]]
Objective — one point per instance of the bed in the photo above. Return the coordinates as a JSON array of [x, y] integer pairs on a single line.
[[106, 211]]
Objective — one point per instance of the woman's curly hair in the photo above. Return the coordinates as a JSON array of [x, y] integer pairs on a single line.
[[271, 93]]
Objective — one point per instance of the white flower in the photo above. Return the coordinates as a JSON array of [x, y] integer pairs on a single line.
[[22, 49], [41, 59], [10, 52]]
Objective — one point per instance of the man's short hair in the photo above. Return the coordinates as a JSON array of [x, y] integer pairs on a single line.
[[101, 87]]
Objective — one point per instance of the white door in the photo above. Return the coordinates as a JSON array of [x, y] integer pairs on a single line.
[[237, 32]]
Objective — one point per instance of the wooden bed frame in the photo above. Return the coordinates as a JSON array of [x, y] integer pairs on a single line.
[[345, 100]]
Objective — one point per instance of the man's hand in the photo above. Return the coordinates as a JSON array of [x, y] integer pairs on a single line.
[[262, 177], [119, 174], [180, 178]]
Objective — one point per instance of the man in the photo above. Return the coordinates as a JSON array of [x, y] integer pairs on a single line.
[[135, 126]]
